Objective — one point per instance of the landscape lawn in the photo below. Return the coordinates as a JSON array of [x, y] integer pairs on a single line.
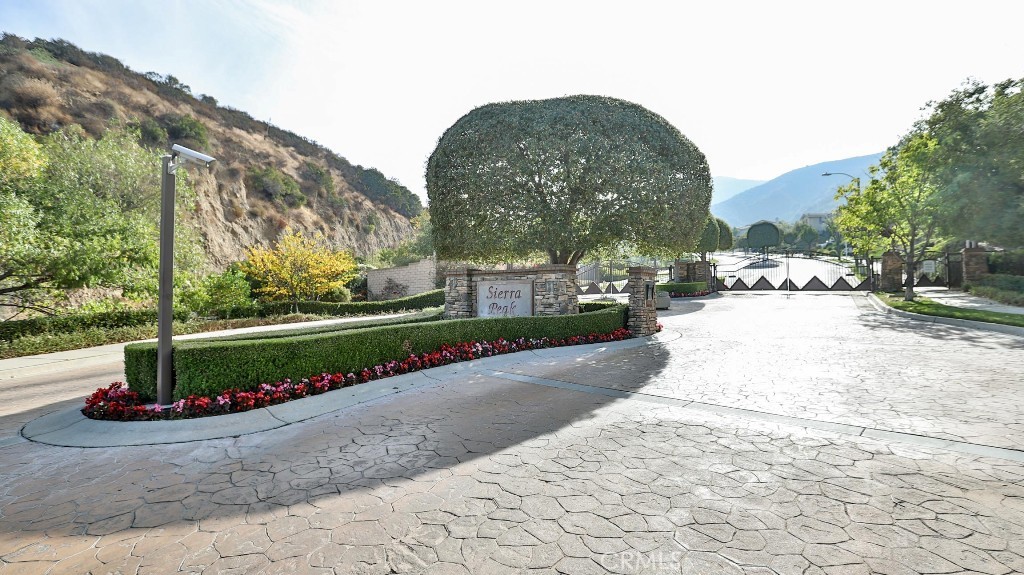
[[926, 306]]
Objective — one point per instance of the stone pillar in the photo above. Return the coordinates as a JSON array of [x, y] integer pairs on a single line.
[[700, 271], [554, 290], [459, 294], [975, 261], [892, 272], [643, 316]]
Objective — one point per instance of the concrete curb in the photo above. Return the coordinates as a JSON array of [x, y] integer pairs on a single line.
[[994, 327], [69, 428]]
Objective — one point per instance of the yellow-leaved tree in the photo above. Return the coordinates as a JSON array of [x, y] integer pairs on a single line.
[[299, 268]]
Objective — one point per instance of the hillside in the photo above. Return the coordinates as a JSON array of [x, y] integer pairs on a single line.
[[726, 187], [265, 178], [794, 193]]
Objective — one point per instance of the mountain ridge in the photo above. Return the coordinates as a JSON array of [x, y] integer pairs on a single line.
[[794, 193], [266, 178]]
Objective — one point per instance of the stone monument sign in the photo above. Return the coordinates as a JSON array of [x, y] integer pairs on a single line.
[[504, 298]]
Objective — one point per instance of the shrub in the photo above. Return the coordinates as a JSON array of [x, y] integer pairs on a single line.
[[276, 186], [151, 134], [207, 367], [186, 129]]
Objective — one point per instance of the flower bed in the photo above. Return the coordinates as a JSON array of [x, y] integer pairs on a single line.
[[117, 402]]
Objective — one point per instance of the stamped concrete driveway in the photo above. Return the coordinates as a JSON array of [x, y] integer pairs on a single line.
[[741, 447]]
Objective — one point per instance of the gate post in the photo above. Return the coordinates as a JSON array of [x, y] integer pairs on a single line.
[[975, 264], [892, 272], [643, 316]]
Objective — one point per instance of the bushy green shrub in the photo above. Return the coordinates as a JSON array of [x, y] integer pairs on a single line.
[[186, 129], [682, 287], [208, 367], [340, 294], [11, 330], [276, 186]]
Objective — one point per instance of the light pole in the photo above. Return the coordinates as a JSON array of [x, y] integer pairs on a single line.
[[165, 297], [856, 180]]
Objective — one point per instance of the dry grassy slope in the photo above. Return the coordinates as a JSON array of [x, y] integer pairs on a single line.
[[44, 94]]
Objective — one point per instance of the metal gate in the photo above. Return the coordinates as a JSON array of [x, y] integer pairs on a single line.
[[791, 271]]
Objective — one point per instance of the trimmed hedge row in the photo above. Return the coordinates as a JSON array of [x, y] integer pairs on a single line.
[[432, 298], [682, 287], [1000, 295], [12, 330], [211, 366]]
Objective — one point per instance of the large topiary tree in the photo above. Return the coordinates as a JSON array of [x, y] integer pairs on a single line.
[[565, 177], [763, 235]]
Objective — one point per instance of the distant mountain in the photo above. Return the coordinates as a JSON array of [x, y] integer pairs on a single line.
[[794, 193], [726, 187]]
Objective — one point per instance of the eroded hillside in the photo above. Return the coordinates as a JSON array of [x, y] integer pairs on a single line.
[[265, 180]]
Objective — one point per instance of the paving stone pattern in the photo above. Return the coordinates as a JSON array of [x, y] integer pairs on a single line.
[[488, 475]]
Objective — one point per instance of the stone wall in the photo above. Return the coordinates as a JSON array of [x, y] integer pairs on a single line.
[[891, 278], [554, 289], [643, 315], [416, 278], [975, 264]]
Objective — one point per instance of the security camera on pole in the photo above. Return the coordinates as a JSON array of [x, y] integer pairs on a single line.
[[165, 299]]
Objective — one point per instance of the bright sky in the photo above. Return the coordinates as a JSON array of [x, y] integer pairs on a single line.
[[761, 87]]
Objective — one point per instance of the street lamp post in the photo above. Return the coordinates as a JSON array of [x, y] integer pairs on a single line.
[[165, 297], [854, 179]]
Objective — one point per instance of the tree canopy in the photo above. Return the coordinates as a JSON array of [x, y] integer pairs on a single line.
[[900, 206], [979, 161], [79, 212], [564, 177]]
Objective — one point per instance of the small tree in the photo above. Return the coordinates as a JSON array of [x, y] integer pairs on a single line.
[[724, 235], [224, 291], [763, 235], [299, 268], [900, 206], [708, 239]]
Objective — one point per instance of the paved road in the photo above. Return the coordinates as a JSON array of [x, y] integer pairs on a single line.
[[676, 458]]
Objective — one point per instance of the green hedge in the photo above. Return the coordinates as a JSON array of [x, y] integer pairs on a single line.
[[432, 298], [11, 330], [208, 367], [684, 287]]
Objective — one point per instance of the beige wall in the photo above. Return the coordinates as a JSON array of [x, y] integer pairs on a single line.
[[417, 278]]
